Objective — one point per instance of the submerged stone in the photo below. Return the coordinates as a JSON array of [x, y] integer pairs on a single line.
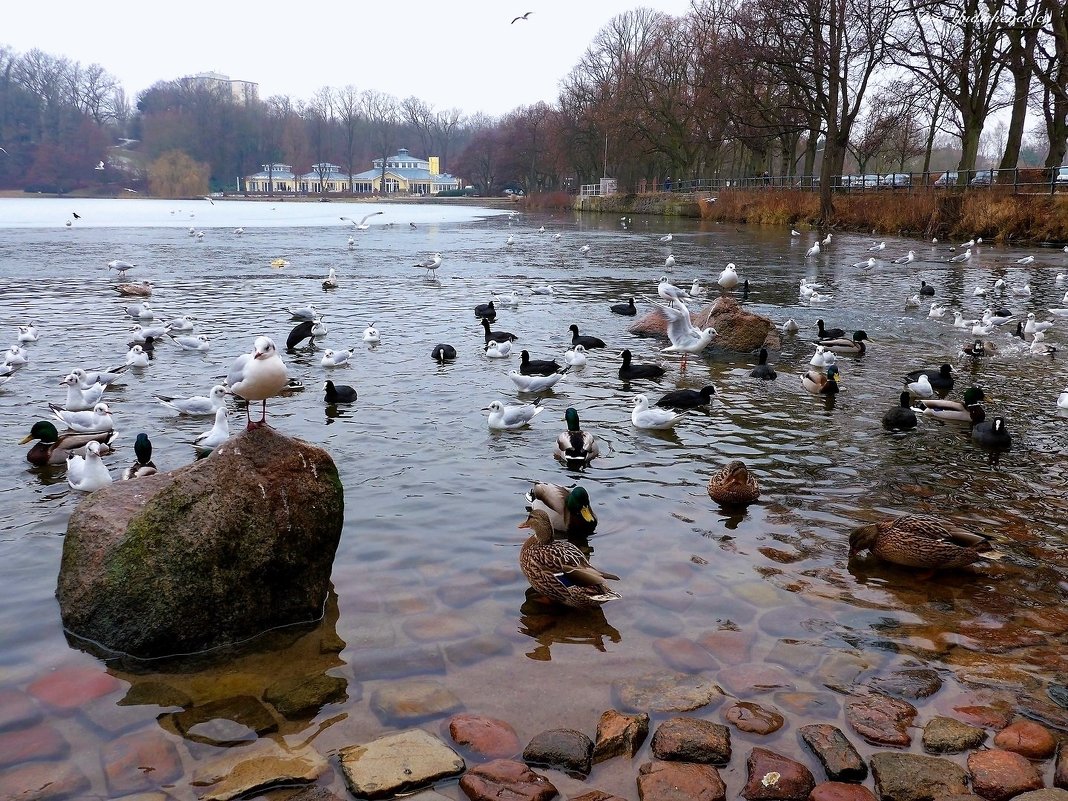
[[398, 763], [206, 555]]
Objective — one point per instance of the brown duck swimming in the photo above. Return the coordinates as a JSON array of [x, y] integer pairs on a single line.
[[558, 570], [921, 542]]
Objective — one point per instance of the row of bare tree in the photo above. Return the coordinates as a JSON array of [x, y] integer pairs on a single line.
[[734, 87]]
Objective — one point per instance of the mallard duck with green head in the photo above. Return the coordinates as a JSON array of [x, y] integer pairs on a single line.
[[144, 465], [921, 542], [820, 383], [851, 346], [575, 447], [953, 410], [733, 485], [53, 447], [558, 569], [569, 509]]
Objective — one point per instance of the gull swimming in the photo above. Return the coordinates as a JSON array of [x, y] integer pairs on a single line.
[[666, 238], [81, 398], [303, 312], [258, 375], [136, 357], [198, 343], [141, 311], [654, 418], [576, 356], [335, 358], [182, 324], [371, 335], [90, 473], [142, 333], [498, 350], [97, 419], [534, 383], [512, 416], [330, 282], [544, 289], [28, 333], [197, 404], [86, 378]]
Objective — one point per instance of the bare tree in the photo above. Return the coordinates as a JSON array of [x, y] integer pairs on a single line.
[[350, 115], [1022, 26], [1051, 70], [382, 113]]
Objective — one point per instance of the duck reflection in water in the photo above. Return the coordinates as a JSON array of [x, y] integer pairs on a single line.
[[561, 625]]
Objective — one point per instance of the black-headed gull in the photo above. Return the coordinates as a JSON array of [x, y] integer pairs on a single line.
[[215, 436], [651, 417], [512, 416], [335, 358], [197, 404], [258, 375], [97, 419], [88, 474], [684, 335], [200, 342], [136, 357], [534, 383], [79, 398]]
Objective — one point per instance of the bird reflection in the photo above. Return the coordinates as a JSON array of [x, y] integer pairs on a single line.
[[553, 624]]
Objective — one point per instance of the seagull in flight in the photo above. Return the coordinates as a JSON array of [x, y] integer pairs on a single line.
[[99, 165], [521, 16], [208, 198], [363, 225]]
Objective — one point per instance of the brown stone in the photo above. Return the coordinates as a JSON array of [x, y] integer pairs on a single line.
[[43, 781], [727, 645], [754, 718], [753, 678], [840, 791], [1060, 770], [1047, 794], [303, 696], [911, 777], [692, 740], [737, 329], [811, 705], [42, 741], [224, 721], [989, 717], [568, 750], [914, 682], [505, 779], [484, 736], [67, 688], [440, 627], [619, 734], [839, 758], [597, 795], [140, 761], [881, 720], [398, 763], [666, 692], [17, 710], [773, 776], [394, 663], [680, 781], [315, 794], [944, 735], [683, 654], [406, 702], [998, 775], [205, 555], [240, 772], [1028, 738]]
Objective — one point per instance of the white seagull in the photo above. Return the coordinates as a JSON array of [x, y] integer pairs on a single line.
[[967, 254], [306, 313], [534, 383], [216, 435], [813, 251], [90, 473], [669, 262], [1025, 260], [1034, 326], [142, 333], [666, 238], [81, 398], [120, 266], [584, 249], [141, 311], [97, 419], [86, 378], [877, 247], [431, 264], [330, 282], [258, 375], [908, 258], [28, 333], [200, 342], [685, 337], [363, 225], [136, 357], [335, 358], [371, 335], [512, 416], [498, 350], [197, 404], [576, 356], [728, 279], [668, 291], [182, 324], [644, 416]]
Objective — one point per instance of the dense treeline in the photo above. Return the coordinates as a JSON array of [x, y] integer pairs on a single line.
[[787, 87]]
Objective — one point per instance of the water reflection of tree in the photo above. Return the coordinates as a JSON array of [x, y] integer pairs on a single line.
[[549, 624]]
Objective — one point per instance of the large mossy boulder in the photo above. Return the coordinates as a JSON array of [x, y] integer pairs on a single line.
[[737, 329], [205, 555]]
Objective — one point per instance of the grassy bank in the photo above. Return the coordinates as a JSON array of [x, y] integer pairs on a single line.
[[992, 214]]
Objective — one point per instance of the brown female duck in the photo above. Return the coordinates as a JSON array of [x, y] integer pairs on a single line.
[[734, 484], [558, 570], [921, 542]]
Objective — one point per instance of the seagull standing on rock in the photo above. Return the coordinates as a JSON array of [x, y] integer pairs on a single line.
[[257, 376]]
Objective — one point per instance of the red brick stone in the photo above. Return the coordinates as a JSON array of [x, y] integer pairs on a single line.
[[67, 688], [504, 778], [680, 781], [1026, 737], [485, 736], [140, 761], [42, 741], [840, 791], [43, 781], [1000, 775]]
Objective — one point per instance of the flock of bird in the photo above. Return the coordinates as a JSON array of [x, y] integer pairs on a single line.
[[552, 563]]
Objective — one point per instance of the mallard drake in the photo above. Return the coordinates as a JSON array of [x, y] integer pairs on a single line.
[[575, 447], [53, 447], [821, 383], [921, 542], [959, 411], [992, 434], [143, 466], [763, 370], [940, 379], [980, 348], [733, 485], [828, 333], [900, 417], [569, 510], [558, 569], [852, 346], [629, 372]]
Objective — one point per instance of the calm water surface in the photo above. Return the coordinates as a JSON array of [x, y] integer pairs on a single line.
[[426, 578]]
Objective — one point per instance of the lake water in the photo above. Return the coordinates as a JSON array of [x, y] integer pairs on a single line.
[[426, 578]]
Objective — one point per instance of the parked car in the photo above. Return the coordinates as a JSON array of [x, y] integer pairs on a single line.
[[871, 181], [984, 178], [946, 179], [1061, 178], [897, 179]]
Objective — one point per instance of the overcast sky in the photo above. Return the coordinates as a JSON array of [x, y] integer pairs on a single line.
[[462, 54]]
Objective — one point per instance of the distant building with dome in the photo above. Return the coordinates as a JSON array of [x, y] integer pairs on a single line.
[[404, 174]]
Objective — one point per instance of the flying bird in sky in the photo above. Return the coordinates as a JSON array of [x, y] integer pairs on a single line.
[[522, 16]]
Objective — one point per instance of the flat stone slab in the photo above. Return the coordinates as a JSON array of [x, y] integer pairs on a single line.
[[911, 777], [944, 735], [680, 781], [506, 780], [262, 765], [619, 735], [839, 758], [666, 692], [882, 720], [398, 763], [406, 702]]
